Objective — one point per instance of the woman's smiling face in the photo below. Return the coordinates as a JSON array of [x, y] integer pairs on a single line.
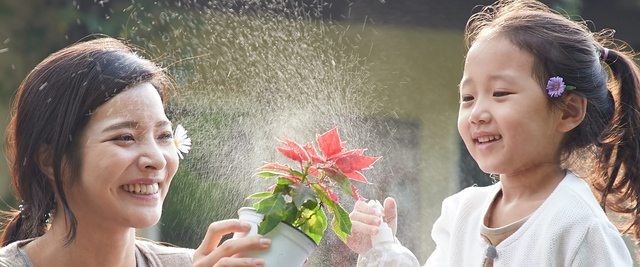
[[128, 160]]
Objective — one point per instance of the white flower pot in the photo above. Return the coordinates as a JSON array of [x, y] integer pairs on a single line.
[[290, 247]]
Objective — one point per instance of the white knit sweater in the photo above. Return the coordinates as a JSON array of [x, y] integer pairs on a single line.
[[568, 229]]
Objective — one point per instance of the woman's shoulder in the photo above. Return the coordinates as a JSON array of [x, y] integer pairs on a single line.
[[9, 255], [165, 255]]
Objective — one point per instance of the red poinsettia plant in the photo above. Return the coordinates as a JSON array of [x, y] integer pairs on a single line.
[[301, 193]]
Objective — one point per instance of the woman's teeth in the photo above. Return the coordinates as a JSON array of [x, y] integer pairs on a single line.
[[141, 189], [488, 138]]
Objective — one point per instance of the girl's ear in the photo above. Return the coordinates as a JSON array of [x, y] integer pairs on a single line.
[[575, 108], [45, 161]]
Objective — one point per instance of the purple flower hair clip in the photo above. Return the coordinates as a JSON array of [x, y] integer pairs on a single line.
[[555, 86]]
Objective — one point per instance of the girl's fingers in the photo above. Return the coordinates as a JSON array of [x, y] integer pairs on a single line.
[[390, 210], [364, 218], [362, 228], [362, 207], [391, 214], [231, 247]]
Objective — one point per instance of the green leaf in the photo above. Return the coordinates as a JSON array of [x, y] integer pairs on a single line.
[[268, 174], [290, 213], [343, 181], [315, 222], [315, 237], [302, 194], [273, 210], [324, 198], [260, 195], [284, 181], [336, 228], [295, 173], [310, 204], [341, 223], [282, 188]]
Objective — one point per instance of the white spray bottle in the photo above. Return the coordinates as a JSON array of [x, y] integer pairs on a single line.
[[385, 251]]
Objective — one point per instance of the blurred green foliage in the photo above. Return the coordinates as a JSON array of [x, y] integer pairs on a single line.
[[30, 30]]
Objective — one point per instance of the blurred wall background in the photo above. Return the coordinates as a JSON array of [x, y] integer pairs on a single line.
[[403, 59]]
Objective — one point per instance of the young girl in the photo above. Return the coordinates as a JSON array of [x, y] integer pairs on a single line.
[[90, 140], [534, 92]]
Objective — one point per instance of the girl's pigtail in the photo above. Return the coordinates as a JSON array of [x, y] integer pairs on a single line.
[[618, 165]]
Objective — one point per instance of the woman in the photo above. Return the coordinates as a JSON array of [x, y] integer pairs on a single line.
[[89, 139]]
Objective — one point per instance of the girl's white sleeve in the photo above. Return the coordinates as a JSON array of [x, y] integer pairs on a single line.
[[602, 246], [441, 235]]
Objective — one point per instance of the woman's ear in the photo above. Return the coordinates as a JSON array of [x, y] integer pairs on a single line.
[[44, 160], [575, 108]]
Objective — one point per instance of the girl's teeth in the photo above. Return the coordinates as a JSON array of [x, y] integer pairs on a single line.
[[141, 189]]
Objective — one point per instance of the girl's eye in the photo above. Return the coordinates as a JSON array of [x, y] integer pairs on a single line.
[[125, 138], [500, 94], [467, 98]]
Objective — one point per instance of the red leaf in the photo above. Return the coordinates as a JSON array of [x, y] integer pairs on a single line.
[[313, 155], [355, 194], [291, 177], [293, 150], [313, 172], [331, 172], [354, 162], [356, 176], [329, 143], [350, 153], [289, 153], [274, 166]]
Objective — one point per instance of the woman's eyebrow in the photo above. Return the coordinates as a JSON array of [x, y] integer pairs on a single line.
[[162, 124], [121, 125]]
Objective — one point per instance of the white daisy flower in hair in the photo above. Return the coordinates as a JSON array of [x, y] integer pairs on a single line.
[[182, 141]]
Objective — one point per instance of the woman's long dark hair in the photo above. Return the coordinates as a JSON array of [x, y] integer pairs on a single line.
[[611, 127], [52, 107]]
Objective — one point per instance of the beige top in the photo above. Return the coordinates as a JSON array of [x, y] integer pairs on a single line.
[[496, 235], [148, 254]]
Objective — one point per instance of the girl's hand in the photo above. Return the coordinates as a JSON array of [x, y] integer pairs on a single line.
[[365, 222], [210, 254]]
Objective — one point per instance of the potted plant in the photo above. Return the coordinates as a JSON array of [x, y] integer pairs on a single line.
[[303, 192]]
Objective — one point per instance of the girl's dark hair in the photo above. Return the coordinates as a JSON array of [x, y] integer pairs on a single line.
[[52, 107], [565, 48]]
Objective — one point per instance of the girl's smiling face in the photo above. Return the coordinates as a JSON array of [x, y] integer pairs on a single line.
[[505, 118], [128, 160]]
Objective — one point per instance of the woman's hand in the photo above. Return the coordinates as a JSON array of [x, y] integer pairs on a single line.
[[365, 222], [210, 254]]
